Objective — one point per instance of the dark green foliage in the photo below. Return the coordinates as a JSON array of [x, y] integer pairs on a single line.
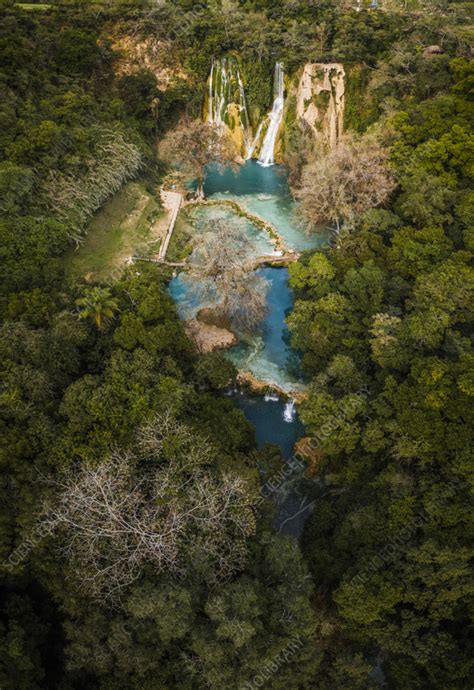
[[77, 51], [30, 638], [364, 36], [29, 250], [384, 320], [226, 637], [258, 77], [361, 108], [141, 97]]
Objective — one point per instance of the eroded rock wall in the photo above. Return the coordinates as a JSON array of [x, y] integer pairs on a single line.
[[137, 53], [320, 100]]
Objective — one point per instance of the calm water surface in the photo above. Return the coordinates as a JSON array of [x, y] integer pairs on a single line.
[[269, 356], [265, 192]]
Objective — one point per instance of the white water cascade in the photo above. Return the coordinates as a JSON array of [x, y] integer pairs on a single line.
[[225, 89], [253, 144], [267, 153], [289, 413], [227, 107], [211, 82]]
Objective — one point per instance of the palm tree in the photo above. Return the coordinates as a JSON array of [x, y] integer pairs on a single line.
[[97, 304]]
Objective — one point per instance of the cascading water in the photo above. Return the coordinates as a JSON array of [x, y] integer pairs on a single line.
[[267, 153], [253, 144], [211, 94], [218, 86], [226, 89], [289, 413], [242, 101], [227, 107]]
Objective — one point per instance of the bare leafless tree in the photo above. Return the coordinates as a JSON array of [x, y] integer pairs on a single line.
[[159, 505], [344, 182], [193, 145], [246, 303], [222, 263]]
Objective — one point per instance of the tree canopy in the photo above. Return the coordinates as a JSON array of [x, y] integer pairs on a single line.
[[137, 550]]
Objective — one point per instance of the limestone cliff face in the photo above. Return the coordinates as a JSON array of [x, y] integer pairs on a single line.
[[320, 100], [136, 53], [237, 128]]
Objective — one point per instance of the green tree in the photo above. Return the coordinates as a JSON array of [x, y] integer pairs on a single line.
[[99, 305]]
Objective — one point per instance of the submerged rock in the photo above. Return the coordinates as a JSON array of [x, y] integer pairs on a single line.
[[207, 337], [212, 317], [265, 388], [256, 385]]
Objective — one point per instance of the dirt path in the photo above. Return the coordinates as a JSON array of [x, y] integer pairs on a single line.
[[172, 202]]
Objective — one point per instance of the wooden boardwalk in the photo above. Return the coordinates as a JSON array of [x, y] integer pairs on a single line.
[[172, 202]]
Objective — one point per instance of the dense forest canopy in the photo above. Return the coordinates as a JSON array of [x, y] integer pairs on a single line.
[[136, 551]]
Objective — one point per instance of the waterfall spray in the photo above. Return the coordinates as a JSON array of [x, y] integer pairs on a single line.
[[226, 88], [244, 115], [289, 413], [267, 154], [217, 93]]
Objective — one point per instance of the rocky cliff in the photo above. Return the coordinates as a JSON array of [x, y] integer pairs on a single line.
[[137, 53], [320, 100]]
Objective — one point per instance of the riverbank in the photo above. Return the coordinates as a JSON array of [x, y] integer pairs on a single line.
[[132, 222], [260, 387]]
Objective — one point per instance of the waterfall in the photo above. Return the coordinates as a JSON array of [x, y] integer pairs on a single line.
[[267, 154], [244, 115], [211, 112], [289, 413], [218, 87], [226, 90], [253, 144], [227, 107]]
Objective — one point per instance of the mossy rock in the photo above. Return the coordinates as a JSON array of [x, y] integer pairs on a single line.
[[360, 110], [322, 100]]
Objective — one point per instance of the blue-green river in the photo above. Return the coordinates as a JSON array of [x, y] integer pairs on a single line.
[[265, 192], [268, 356]]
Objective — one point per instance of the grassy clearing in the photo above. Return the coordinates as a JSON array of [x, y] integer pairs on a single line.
[[131, 223], [33, 6]]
